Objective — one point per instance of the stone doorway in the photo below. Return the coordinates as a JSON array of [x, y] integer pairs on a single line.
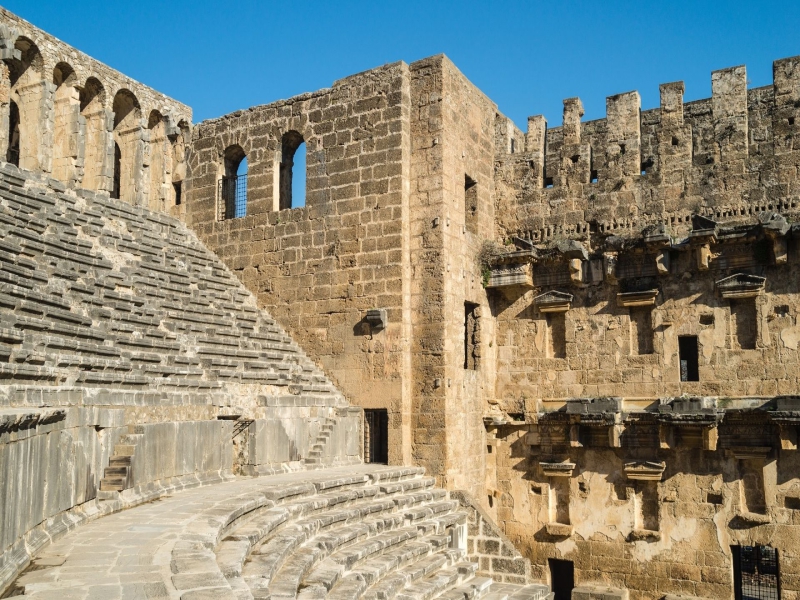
[[562, 578], [376, 436]]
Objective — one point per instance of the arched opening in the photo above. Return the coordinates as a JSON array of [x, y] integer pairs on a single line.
[[128, 138], [233, 185], [292, 188], [66, 108], [158, 164], [96, 137], [27, 91], [12, 155]]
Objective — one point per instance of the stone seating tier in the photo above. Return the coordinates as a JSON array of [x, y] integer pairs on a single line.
[[355, 532], [96, 292]]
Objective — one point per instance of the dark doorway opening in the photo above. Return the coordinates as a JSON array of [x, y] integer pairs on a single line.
[[376, 436], [116, 183], [755, 573], [562, 578], [687, 352], [12, 155]]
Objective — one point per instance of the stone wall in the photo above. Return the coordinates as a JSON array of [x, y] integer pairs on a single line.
[[659, 166], [320, 267], [86, 124]]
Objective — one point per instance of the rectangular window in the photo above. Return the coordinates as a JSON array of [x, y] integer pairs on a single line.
[[471, 336], [743, 324], [687, 352], [641, 330], [177, 187], [756, 573], [471, 204]]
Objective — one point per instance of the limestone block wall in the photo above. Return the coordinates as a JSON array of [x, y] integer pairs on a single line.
[[319, 268], [453, 135], [640, 167], [87, 125], [671, 535], [745, 349]]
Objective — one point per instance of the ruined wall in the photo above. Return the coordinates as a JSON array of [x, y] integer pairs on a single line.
[[646, 263], [321, 267], [669, 532], [85, 124]]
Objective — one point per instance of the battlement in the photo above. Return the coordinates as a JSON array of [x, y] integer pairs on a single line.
[[659, 166]]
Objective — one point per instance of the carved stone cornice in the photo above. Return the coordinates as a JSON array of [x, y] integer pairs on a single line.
[[553, 302], [740, 286], [645, 470]]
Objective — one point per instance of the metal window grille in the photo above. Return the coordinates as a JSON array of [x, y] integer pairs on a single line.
[[376, 424], [233, 195], [756, 573]]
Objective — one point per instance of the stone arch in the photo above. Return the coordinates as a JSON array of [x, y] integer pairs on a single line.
[[291, 142], [159, 161], [31, 91], [129, 151], [233, 183], [97, 167], [67, 125]]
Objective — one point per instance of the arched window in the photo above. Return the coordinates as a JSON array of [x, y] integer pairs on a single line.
[[158, 166], [12, 155], [127, 136], [96, 138], [24, 75], [65, 131], [233, 185], [292, 189]]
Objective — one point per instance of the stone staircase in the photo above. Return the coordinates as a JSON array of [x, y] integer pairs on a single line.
[[384, 534], [314, 458], [117, 475]]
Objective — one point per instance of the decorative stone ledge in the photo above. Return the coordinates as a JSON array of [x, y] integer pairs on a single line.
[[510, 275], [644, 535], [740, 286], [751, 519], [645, 470], [634, 299], [750, 452], [557, 469], [558, 529], [553, 302]]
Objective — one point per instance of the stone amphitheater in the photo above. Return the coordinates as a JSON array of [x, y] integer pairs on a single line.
[[466, 361]]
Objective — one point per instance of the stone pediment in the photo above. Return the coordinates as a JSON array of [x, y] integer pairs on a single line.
[[703, 225], [645, 470], [632, 299], [741, 286], [553, 302]]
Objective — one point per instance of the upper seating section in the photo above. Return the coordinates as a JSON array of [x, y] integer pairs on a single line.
[[94, 292], [72, 117]]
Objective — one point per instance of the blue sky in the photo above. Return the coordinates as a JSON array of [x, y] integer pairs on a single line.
[[527, 56]]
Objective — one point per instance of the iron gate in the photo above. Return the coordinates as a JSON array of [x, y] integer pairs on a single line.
[[755, 570]]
